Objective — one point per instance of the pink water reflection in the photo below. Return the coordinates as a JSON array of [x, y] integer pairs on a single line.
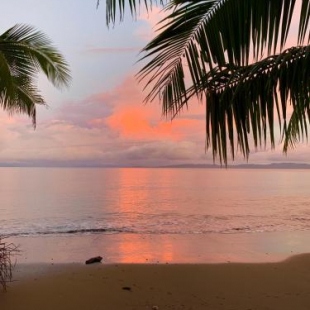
[[134, 248]]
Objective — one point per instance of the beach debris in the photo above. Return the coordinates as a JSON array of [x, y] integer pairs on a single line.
[[92, 260], [126, 288]]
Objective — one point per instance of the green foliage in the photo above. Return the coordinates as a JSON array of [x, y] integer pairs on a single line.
[[231, 55], [24, 52]]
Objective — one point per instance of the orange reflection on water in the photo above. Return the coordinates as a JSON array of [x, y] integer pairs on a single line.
[[131, 194], [135, 200]]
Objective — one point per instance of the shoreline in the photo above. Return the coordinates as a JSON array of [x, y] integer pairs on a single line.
[[136, 248], [275, 285]]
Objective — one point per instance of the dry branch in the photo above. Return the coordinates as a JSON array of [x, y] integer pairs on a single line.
[[7, 250]]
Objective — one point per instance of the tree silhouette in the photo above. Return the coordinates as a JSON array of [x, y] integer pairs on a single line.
[[232, 55]]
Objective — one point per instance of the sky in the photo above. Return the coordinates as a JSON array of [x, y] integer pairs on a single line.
[[101, 120]]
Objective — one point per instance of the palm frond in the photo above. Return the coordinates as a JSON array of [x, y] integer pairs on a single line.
[[23, 98], [304, 22], [244, 101], [199, 35], [166, 72], [31, 51], [230, 52], [114, 7], [297, 128], [24, 52]]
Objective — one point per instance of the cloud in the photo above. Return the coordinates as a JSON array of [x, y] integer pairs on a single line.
[[121, 110], [87, 112], [158, 153], [115, 128], [152, 16], [149, 23], [143, 122], [109, 128]]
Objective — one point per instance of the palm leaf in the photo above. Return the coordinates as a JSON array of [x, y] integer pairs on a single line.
[[24, 52], [244, 101], [304, 22], [119, 6], [201, 34], [230, 52], [26, 99], [31, 49]]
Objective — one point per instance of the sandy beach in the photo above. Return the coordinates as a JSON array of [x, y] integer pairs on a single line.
[[281, 285]]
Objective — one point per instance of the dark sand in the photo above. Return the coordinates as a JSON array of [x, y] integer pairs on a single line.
[[239, 286]]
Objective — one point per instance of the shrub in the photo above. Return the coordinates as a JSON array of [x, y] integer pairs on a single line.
[[7, 250]]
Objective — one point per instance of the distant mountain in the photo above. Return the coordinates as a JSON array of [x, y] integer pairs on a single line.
[[244, 166], [277, 166], [179, 166]]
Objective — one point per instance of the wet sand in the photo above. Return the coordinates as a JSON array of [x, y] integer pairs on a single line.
[[136, 248], [275, 285], [241, 272]]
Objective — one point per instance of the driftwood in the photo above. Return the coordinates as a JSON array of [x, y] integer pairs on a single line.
[[7, 250], [92, 260]]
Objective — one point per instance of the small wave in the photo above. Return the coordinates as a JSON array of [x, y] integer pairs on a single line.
[[71, 232], [158, 224]]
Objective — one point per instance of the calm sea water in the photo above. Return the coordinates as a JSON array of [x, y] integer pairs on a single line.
[[63, 201]]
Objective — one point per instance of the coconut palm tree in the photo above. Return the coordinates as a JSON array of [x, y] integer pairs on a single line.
[[24, 52], [232, 55]]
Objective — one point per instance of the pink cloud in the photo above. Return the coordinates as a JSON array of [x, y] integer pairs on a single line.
[[137, 123], [131, 119], [151, 20], [153, 16]]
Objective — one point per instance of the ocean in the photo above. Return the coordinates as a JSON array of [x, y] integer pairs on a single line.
[[151, 203]]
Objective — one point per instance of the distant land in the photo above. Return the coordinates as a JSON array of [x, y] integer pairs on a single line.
[[244, 166], [177, 166]]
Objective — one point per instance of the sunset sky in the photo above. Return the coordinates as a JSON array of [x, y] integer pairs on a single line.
[[101, 119]]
